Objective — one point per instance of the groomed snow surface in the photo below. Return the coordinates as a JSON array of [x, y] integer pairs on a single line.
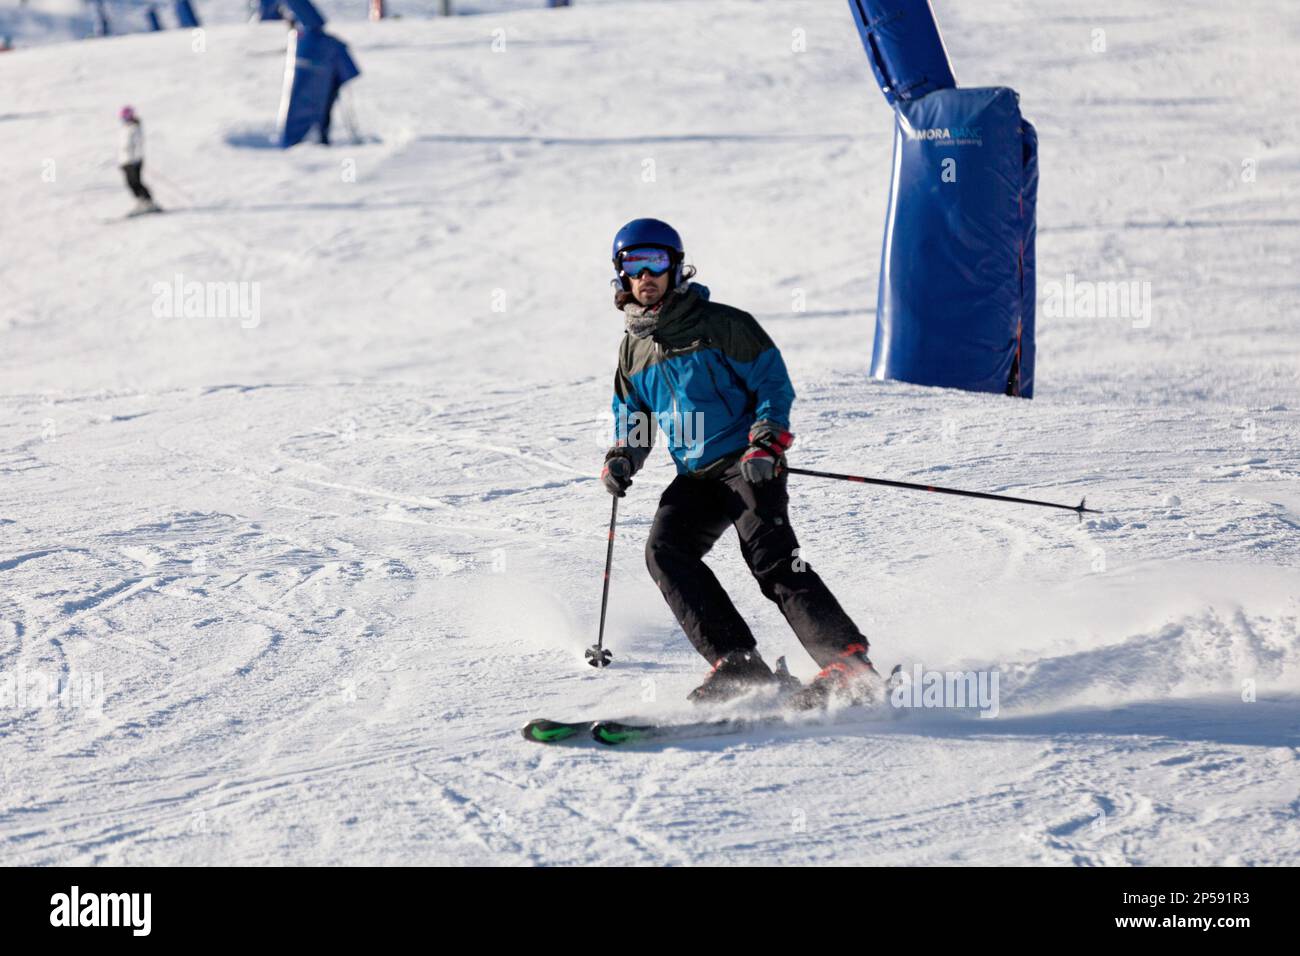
[[31, 22], [315, 561]]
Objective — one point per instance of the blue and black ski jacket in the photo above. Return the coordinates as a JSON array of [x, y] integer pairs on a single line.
[[705, 375]]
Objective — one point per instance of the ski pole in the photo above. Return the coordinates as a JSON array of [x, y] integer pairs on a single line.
[[1079, 509], [597, 655], [349, 116]]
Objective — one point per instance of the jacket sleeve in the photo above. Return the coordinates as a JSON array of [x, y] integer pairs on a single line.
[[633, 422], [758, 363]]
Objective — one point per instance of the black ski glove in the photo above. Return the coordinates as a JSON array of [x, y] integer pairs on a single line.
[[618, 471], [765, 458]]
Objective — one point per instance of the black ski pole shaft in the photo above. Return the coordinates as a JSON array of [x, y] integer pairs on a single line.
[[597, 656], [1078, 509]]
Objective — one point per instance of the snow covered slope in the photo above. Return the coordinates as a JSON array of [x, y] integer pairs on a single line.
[[325, 555], [33, 22]]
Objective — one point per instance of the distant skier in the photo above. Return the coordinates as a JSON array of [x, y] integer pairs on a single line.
[[712, 379], [130, 156]]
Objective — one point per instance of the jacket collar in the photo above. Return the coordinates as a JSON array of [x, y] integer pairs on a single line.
[[680, 314]]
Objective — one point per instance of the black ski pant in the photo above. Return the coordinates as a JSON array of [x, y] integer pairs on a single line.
[[693, 513], [138, 189]]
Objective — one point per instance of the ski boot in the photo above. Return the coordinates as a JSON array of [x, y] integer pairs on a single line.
[[734, 674], [849, 679]]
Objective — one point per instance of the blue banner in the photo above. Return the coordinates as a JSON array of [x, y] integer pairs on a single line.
[[903, 46], [185, 14], [321, 65], [956, 299], [305, 14]]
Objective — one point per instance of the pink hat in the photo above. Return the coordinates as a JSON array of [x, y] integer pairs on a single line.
[[126, 113]]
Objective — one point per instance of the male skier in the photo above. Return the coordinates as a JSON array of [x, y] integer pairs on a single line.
[[714, 382]]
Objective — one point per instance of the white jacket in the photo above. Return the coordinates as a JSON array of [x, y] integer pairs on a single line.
[[131, 146]]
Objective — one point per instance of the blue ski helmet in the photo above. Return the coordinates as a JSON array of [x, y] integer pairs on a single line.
[[649, 232]]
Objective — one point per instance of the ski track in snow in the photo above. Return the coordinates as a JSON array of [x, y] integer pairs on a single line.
[[326, 566]]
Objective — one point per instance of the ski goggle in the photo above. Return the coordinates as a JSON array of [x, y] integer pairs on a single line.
[[633, 262]]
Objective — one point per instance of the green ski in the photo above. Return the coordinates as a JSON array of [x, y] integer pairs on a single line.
[[545, 731]]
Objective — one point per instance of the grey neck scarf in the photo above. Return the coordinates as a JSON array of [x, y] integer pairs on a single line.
[[641, 320]]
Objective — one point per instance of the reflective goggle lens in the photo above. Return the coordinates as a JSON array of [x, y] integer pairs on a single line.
[[636, 261]]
